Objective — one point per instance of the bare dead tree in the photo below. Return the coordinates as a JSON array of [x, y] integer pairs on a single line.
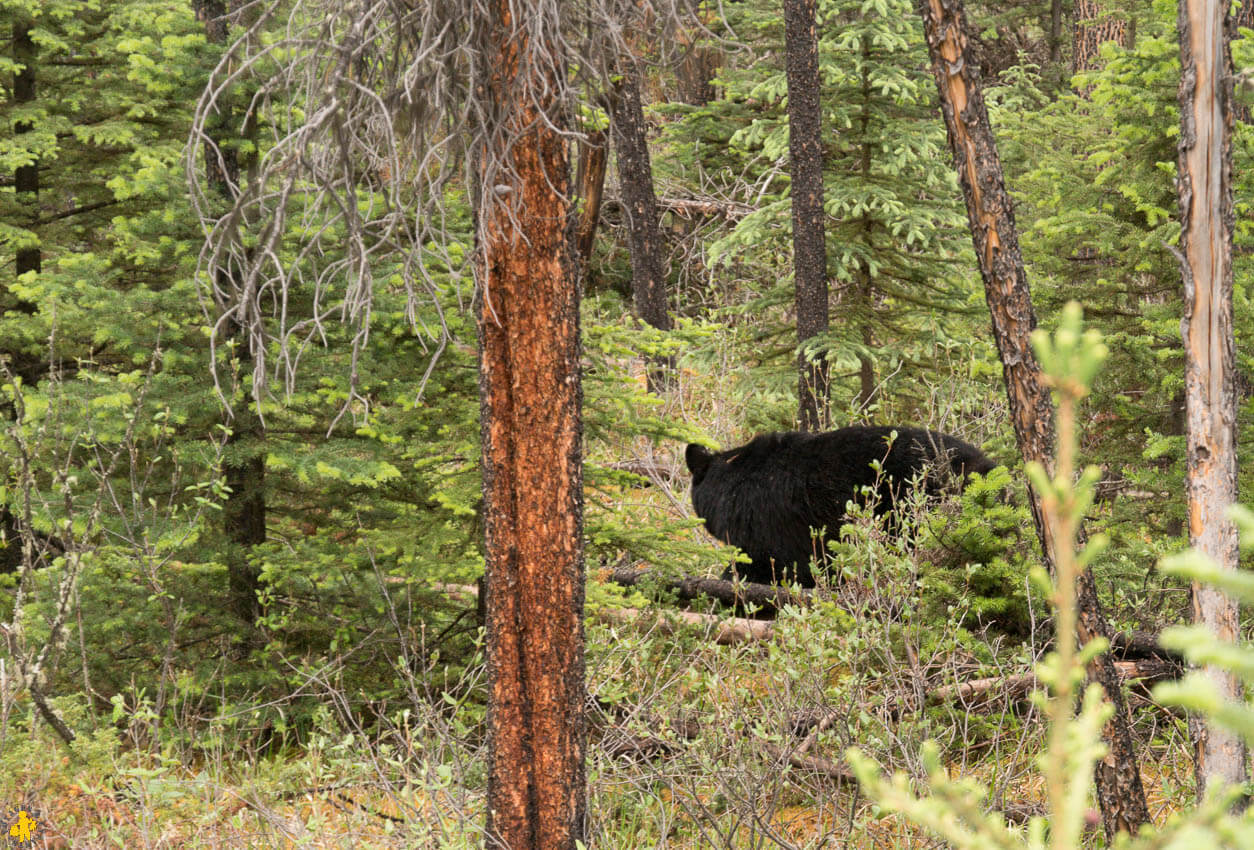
[[1120, 793], [1206, 221], [374, 118], [377, 95]]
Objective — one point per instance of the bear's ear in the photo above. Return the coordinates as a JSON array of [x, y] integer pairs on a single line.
[[698, 460]]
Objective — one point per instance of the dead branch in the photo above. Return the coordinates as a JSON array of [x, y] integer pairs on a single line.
[[815, 764]]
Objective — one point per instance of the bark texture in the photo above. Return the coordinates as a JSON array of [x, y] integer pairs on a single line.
[[805, 154], [694, 75], [528, 310], [1094, 26], [1120, 793], [244, 464], [1206, 222], [635, 178]]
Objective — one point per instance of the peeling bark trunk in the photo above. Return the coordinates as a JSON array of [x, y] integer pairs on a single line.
[[528, 313], [635, 178], [244, 466], [1206, 222], [805, 153], [1120, 793]]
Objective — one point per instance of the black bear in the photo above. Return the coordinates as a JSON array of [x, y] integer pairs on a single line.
[[767, 495]]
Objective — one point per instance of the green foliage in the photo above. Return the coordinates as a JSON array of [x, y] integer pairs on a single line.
[[1094, 178], [893, 222], [954, 809], [1197, 691], [973, 556]]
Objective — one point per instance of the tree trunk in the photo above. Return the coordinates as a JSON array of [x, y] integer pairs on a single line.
[[695, 75], [1055, 31], [593, 158], [1206, 222], [528, 313], [1243, 19], [244, 464], [1093, 28], [805, 153], [1119, 790], [26, 177], [28, 259], [635, 178], [866, 371]]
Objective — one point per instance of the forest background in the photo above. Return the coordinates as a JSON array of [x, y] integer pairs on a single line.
[[241, 550]]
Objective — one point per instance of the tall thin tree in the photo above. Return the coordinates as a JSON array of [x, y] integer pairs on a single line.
[[1120, 793], [1204, 183], [590, 179], [244, 462], [529, 387], [635, 181], [26, 176], [29, 257], [805, 153]]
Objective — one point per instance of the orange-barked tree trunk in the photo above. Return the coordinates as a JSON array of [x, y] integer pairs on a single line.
[[528, 311], [1120, 793], [1206, 220]]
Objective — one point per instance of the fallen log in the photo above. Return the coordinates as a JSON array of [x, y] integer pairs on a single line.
[[976, 692], [1159, 664], [725, 630], [768, 598], [688, 208]]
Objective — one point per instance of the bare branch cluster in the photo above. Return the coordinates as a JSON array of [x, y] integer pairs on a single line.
[[362, 130]]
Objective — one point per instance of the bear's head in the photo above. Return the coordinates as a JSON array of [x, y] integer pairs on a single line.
[[698, 459]]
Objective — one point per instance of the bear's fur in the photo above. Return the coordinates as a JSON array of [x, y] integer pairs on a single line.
[[765, 496]]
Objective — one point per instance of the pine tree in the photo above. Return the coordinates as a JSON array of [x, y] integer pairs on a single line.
[[893, 227]]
